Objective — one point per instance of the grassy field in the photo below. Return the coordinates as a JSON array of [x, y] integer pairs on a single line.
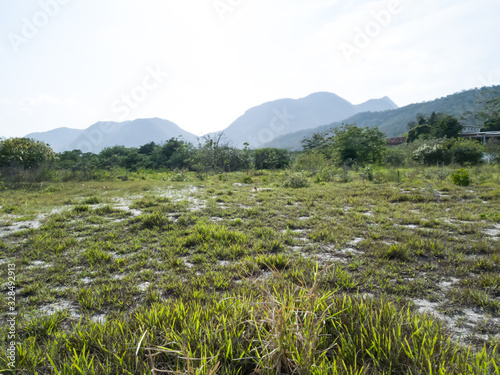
[[237, 274]]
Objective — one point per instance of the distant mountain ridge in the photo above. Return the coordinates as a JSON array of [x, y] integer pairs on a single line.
[[279, 123], [394, 122], [107, 134], [256, 126], [263, 123], [56, 138]]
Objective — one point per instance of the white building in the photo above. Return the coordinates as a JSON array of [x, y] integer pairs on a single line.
[[467, 129]]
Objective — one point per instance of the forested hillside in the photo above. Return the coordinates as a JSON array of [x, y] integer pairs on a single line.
[[394, 122]]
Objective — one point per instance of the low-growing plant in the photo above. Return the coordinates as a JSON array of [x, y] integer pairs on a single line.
[[367, 173], [91, 200], [10, 209], [156, 220], [247, 179], [81, 208], [461, 177], [296, 181]]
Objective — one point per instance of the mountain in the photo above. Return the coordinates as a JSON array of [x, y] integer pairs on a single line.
[[393, 122], [107, 134], [263, 123], [56, 138]]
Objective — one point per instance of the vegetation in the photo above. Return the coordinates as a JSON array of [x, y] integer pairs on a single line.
[[490, 113], [436, 126], [349, 144], [25, 159], [350, 258], [271, 158], [466, 106], [461, 177], [142, 276]]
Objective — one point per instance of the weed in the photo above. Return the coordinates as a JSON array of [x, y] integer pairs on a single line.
[[156, 220], [91, 200], [461, 177], [80, 209]]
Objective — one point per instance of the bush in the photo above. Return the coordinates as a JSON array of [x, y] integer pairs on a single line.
[[25, 153], [367, 173], [295, 181], [466, 151], [362, 146], [178, 176], [327, 174], [271, 158], [395, 157], [24, 160], [247, 180], [492, 150], [429, 155], [343, 174], [312, 162], [461, 177]]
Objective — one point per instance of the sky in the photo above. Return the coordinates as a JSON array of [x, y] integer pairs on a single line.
[[203, 63]]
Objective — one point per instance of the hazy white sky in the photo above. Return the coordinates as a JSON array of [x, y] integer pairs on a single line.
[[202, 63]]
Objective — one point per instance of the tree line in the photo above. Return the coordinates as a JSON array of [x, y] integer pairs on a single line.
[[22, 158], [430, 140]]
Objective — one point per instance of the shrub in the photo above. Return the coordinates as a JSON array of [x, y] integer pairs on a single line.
[[24, 153], [271, 158], [295, 181], [461, 177], [466, 151], [343, 174], [91, 200], [395, 157], [428, 155], [312, 162], [178, 176], [327, 174], [492, 150], [367, 173], [247, 179]]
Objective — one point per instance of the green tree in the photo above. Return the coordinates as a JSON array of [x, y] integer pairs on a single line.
[[444, 125], [211, 154], [418, 132], [148, 148], [360, 145], [175, 153], [438, 125], [79, 164], [489, 113], [491, 125], [271, 158], [396, 156], [421, 119], [24, 154], [317, 141], [433, 119], [114, 157], [411, 125]]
